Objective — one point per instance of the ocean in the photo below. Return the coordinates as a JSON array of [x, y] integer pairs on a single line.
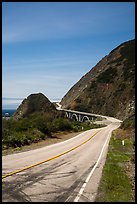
[[9, 111]]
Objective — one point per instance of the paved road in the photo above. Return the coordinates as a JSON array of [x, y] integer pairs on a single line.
[[71, 177]]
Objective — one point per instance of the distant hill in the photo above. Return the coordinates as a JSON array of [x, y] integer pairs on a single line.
[[109, 87], [34, 103]]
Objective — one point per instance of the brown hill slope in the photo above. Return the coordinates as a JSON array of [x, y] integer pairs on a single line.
[[34, 103], [108, 88]]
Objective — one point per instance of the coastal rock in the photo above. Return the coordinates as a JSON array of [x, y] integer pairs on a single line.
[[34, 103]]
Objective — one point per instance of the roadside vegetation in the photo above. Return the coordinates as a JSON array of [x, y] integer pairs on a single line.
[[118, 178], [37, 127]]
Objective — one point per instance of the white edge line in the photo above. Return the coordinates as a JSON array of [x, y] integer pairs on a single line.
[[92, 171]]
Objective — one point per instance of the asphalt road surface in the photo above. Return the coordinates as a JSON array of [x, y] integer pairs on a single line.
[[68, 171]]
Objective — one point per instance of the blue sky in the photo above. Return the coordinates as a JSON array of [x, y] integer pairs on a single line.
[[48, 46]]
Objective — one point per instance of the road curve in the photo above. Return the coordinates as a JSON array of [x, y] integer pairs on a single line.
[[68, 171]]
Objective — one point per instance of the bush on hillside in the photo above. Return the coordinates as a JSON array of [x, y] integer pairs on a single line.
[[129, 122], [36, 127], [61, 124], [18, 139], [107, 76]]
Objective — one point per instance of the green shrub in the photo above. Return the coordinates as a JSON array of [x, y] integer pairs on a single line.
[[120, 89], [36, 127], [77, 126], [18, 139], [129, 71], [41, 124], [128, 122], [127, 51], [22, 125], [81, 107], [107, 76], [61, 124], [92, 87]]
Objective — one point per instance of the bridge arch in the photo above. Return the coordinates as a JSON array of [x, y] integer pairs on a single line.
[[74, 116], [67, 114], [85, 118]]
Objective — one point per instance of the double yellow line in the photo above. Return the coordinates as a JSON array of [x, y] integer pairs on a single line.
[[52, 158]]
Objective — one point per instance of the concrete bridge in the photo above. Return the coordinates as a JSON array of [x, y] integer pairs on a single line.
[[79, 116]]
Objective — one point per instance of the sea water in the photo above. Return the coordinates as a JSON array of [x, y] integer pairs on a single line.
[[8, 112]]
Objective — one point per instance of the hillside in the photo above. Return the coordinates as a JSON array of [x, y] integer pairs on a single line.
[[37, 119], [109, 87], [34, 103]]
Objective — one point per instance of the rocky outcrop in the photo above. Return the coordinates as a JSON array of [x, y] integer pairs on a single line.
[[34, 103]]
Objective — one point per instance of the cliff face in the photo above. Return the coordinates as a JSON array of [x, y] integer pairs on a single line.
[[34, 103], [109, 87]]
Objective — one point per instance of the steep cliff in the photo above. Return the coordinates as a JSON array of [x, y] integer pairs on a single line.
[[109, 87]]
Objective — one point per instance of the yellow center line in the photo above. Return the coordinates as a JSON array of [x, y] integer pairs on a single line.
[[52, 158]]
